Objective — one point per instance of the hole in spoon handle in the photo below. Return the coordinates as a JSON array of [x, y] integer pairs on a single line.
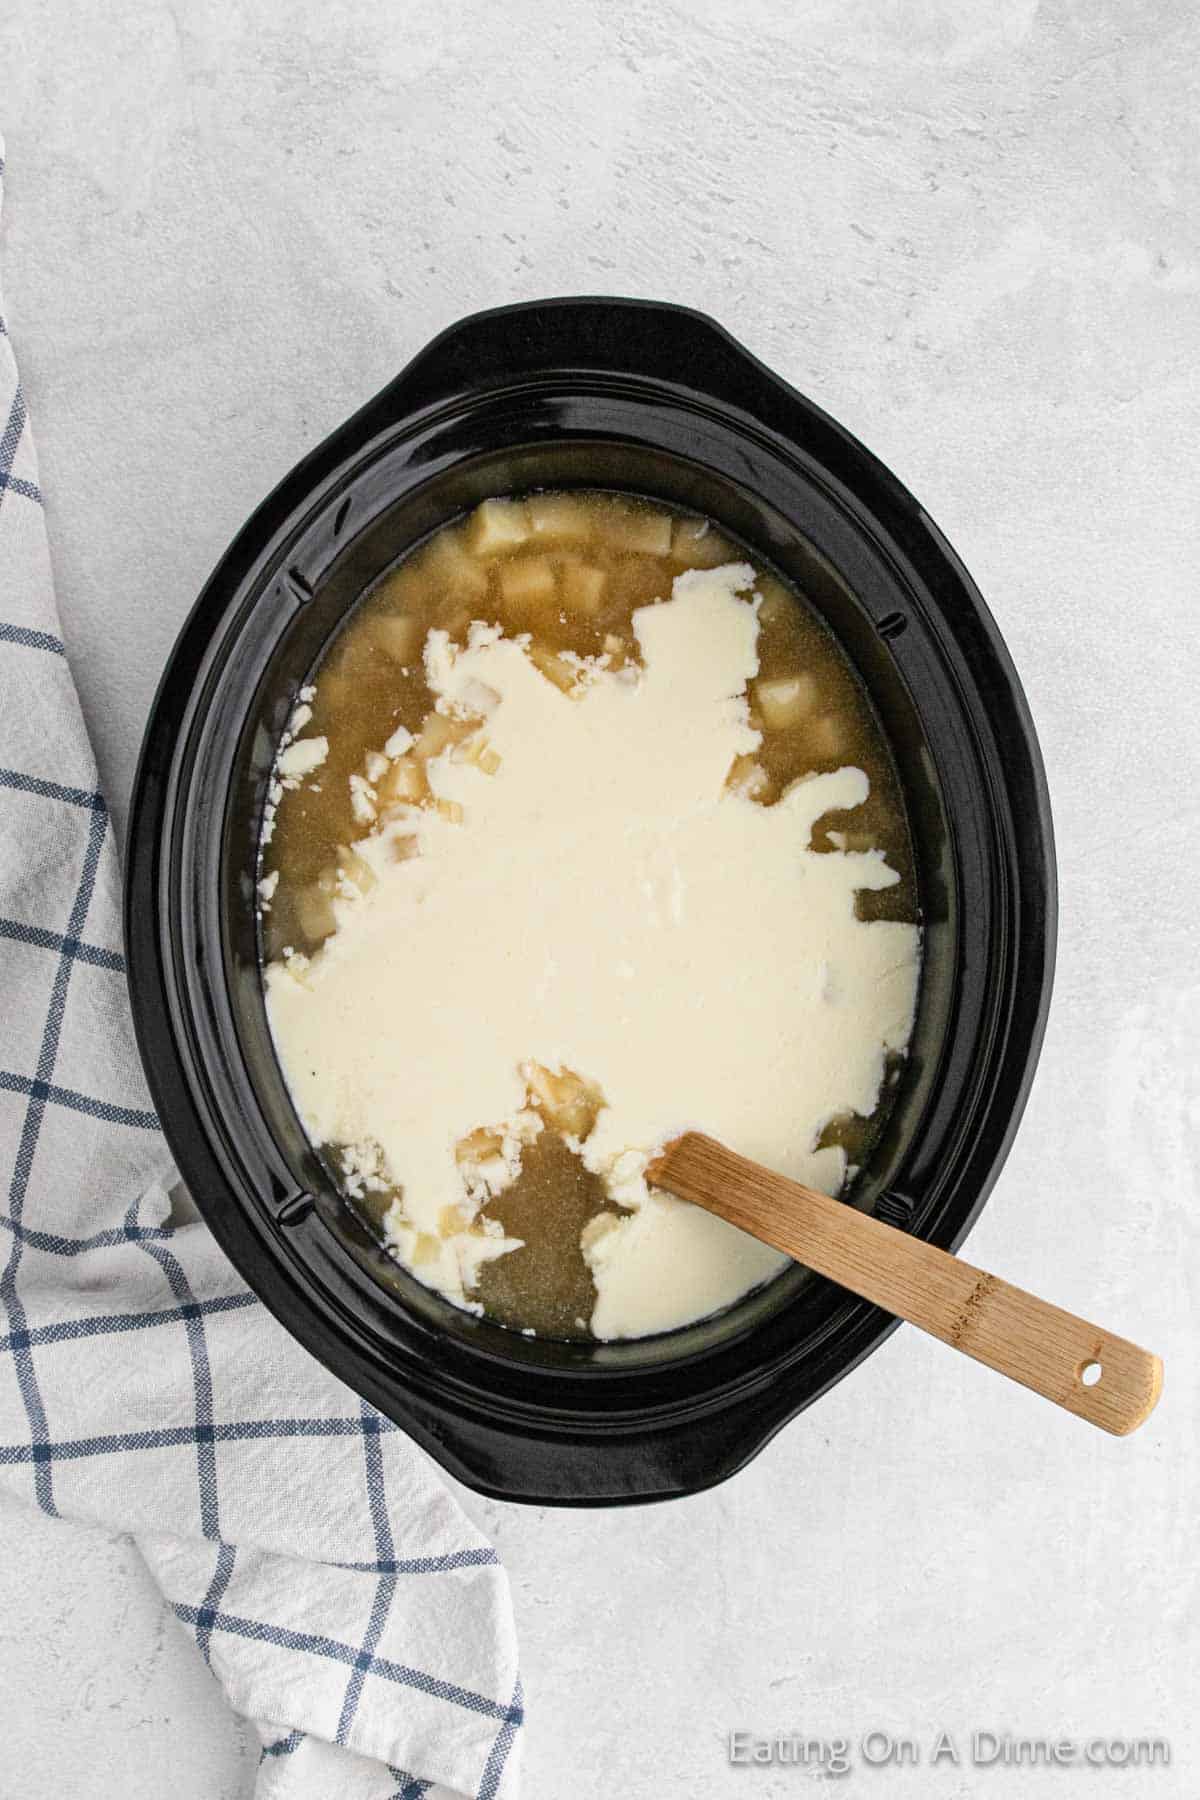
[[1099, 1377]]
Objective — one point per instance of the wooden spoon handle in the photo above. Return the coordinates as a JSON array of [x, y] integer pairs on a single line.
[[1101, 1378]]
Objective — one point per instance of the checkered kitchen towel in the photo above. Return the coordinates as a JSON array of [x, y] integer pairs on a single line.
[[337, 1591]]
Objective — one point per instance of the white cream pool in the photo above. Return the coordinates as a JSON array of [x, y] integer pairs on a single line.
[[585, 892]]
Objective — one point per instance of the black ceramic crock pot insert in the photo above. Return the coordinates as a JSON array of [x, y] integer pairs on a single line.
[[657, 400]]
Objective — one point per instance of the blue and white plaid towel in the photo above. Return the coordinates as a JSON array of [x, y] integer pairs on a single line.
[[339, 1594]]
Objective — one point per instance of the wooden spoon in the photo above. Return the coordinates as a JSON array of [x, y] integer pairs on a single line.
[[1101, 1378]]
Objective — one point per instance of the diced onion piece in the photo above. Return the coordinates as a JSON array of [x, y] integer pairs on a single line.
[[496, 526]]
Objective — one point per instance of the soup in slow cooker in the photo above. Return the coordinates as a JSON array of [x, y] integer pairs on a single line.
[[583, 833]]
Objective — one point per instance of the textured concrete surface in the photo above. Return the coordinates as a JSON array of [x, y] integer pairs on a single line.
[[970, 230]]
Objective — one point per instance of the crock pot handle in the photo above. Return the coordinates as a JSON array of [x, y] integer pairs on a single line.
[[630, 1467], [529, 341]]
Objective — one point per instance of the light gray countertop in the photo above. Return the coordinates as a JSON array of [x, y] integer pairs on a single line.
[[971, 232]]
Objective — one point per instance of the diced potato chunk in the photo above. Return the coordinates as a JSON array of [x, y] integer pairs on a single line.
[[455, 620], [748, 778], [826, 736], [527, 581], [448, 562], [405, 780], [401, 846], [856, 843], [475, 700], [314, 914], [478, 1144], [695, 544], [337, 687], [438, 733], [583, 588], [496, 526], [451, 811], [597, 1229], [426, 1249], [297, 966], [355, 869], [784, 702], [375, 765], [776, 603], [399, 637], [640, 528], [557, 516], [525, 1127], [479, 753], [362, 801], [356, 878], [554, 667], [403, 589], [496, 1175], [481, 1158], [570, 1104]]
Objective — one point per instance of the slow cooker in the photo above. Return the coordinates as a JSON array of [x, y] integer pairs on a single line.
[[660, 401]]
